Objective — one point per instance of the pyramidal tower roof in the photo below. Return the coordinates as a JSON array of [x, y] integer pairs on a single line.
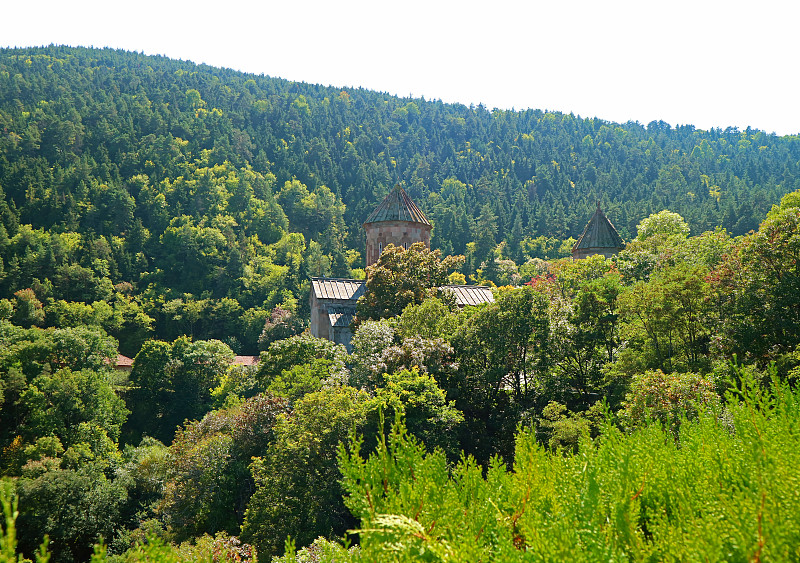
[[599, 233], [397, 206]]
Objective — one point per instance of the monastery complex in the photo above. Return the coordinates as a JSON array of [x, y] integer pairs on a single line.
[[397, 220]]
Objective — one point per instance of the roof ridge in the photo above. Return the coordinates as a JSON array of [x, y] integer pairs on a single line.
[[336, 279]]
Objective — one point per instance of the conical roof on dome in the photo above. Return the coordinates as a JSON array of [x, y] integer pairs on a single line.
[[397, 206], [599, 233]]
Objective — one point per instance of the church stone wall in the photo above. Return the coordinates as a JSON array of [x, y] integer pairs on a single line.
[[398, 233], [320, 325]]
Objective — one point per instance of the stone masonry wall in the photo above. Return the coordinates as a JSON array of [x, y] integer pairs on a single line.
[[398, 233]]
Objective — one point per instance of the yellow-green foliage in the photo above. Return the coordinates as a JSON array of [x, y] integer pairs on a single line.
[[725, 490]]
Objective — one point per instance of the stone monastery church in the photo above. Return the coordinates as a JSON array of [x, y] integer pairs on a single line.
[[398, 221]]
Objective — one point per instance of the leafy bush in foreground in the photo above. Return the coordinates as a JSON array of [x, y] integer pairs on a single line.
[[724, 491]]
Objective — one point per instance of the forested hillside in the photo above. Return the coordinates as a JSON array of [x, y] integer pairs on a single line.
[[642, 407], [116, 166]]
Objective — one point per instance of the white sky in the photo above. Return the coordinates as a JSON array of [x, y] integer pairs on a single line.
[[709, 63]]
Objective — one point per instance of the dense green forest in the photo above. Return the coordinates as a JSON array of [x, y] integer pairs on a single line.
[[638, 408], [115, 167]]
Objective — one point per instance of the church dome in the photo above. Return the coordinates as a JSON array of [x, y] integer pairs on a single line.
[[398, 221], [397, 206], [599, 237]]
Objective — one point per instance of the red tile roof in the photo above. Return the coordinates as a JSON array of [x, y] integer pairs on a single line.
[[124, 361], [245, 360]]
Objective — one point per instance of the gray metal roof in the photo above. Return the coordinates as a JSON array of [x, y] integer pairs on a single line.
[[599, 233], [341, 316], [351, 290], [333, 288], [397, 206], [471, 294]]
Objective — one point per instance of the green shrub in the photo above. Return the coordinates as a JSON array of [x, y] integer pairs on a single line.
[[718, 493], [667, 398]]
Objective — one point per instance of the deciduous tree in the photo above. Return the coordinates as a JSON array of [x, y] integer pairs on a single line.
[[401, 277], [298, 491]]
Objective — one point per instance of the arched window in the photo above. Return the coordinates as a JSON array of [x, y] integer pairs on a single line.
[[380, 248]]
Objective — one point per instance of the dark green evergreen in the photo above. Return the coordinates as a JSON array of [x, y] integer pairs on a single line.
[[174, 212], [158, 163]]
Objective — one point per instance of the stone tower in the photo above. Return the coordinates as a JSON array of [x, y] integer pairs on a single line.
[[599, 237], [398, 221]]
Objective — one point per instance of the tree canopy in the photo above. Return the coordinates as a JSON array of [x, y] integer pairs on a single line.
[[640, 407], [116, 166]]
